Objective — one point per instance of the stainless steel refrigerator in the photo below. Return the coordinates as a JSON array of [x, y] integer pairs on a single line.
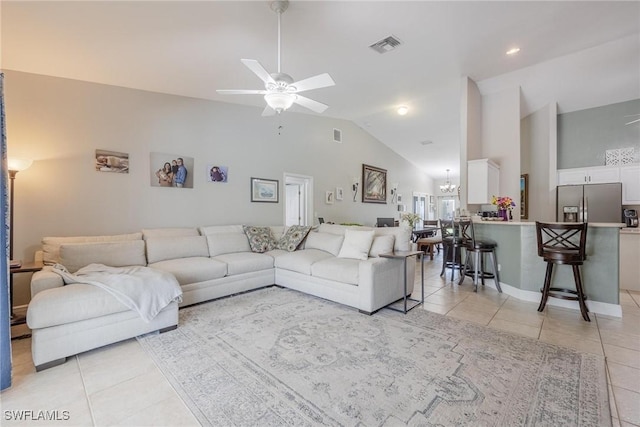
[[589, 203]]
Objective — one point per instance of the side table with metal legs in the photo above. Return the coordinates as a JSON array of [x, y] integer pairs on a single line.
[[404, 255]]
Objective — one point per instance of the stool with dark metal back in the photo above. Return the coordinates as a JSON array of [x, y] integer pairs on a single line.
[[563, 243], [478, 248], [453, 241]]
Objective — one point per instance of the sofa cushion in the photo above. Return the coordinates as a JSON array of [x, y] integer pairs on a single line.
[[71, 303], [260, 238], [169, 232], [227, 243], [340, 229], [301, 261], [164, 248], [402, 236], [325, 242], [245, 262], [51, 245], [356, 244], [382, 245], [193, 270], [225, 239], [291, 240], [74, 256], [344, 270]]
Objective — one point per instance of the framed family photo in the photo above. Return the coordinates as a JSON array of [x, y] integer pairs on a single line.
[[264, 190], [170, 170], [112, 161]]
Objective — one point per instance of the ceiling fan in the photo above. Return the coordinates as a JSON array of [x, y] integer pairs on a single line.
[[633, 121], [280, 91]]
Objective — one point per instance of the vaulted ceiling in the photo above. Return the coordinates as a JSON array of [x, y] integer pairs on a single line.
[[578, 54]]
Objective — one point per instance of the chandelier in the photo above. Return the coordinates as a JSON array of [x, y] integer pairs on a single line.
[[448, 187]]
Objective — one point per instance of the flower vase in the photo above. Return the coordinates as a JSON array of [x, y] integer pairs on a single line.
[[502, 213]]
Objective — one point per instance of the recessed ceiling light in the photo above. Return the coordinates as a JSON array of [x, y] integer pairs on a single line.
[[402, 110], [513, 51]]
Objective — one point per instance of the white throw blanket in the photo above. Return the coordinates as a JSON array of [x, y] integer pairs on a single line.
[[142, 289]]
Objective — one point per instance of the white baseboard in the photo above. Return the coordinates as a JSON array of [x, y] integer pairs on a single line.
[[613, 310]]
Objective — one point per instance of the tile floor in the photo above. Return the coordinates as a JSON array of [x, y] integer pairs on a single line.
[[120, 385]]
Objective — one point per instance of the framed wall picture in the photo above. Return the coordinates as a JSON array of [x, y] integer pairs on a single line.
[[524, 196], [217, 173], [112, 161], [264, 190], [339, 193], [328, 197], [171, 170], [374, 188]]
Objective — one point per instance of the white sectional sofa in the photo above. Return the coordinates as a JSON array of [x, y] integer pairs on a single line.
[[208, 263]]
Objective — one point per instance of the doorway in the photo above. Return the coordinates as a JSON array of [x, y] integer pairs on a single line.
[[298, 204]]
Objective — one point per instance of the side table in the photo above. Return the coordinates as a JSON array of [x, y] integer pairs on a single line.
[[26, 267], [404, 255]]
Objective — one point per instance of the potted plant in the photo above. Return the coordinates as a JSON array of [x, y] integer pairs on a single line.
[[410, 218]]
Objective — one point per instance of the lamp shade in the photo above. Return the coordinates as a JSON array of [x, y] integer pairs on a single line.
[[16, 164], [280, 101]]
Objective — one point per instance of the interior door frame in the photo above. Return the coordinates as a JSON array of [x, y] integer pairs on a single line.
[[306, 196]]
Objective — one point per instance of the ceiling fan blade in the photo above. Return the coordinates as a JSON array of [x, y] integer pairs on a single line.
[[258, 70], [241, 92], [268, 111], [632, 121], [315, 82], [312, 105]]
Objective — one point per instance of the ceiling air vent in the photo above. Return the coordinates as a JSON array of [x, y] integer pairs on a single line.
[[386, 44]]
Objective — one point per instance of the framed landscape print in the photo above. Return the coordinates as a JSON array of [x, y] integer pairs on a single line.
[[374, 184], [264, 190]]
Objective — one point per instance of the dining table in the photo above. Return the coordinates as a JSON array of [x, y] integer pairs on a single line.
[[424, 231]]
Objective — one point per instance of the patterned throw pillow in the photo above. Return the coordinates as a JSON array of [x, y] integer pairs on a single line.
[[260, 238], [293, 237]]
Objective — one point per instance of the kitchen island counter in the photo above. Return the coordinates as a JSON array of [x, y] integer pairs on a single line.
[[522, 270]]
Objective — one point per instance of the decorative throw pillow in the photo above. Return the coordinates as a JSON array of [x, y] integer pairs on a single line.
[[356, 244], [260, 238], [382, 245], [293, 237]]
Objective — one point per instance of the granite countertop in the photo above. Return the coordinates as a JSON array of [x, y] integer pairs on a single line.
[[630, 230], [620, 225]]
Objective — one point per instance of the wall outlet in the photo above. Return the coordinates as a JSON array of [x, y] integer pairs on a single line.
[[499, 267]]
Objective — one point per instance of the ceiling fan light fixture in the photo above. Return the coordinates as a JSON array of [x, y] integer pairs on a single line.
[[280, 101]]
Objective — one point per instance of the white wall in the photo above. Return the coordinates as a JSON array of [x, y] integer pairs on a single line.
[[471, 131], [538, 159], [60, 123], [501, 137]]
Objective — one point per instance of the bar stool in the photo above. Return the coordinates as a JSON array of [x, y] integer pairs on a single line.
[[453, 241], [478, 249], [563, 243]]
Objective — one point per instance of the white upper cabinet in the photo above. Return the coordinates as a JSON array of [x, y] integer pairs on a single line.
[[483, 181], [630, 178], [595, 175]]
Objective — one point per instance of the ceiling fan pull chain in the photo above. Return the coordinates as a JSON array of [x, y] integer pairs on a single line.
[[279, 17]]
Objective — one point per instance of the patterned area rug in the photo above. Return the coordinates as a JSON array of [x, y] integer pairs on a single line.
[[280, 357]]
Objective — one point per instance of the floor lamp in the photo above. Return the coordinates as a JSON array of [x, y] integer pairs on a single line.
[[14, 165]]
